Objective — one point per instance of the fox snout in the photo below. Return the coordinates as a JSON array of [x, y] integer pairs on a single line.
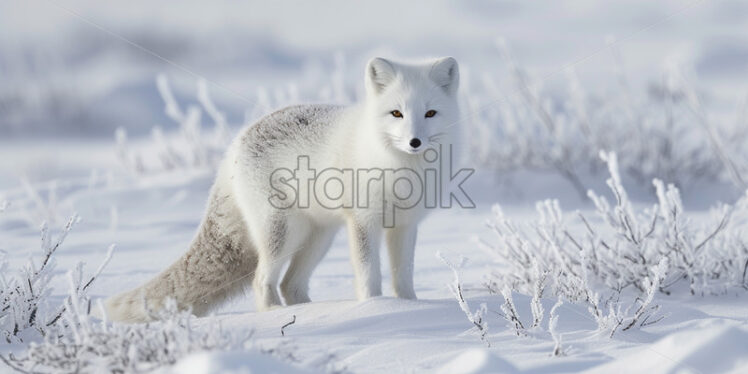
[[415, 143]]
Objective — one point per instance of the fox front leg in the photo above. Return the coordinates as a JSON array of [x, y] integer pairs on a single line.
[[401, 243], [364, 241]]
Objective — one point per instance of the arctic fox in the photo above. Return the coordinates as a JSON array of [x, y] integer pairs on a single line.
[[259, 214]]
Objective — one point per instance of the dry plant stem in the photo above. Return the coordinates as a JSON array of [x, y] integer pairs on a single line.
[[283, 328], [477, 318]]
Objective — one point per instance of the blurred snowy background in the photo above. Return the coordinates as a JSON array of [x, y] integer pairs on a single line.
[[78, 70], [118, 111], [73, 68]]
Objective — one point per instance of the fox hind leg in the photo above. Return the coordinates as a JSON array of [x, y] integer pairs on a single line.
[[270, 242], [295, 284]]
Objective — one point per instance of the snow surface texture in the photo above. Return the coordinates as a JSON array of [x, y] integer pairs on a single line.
[[336, 333], [146, 192]]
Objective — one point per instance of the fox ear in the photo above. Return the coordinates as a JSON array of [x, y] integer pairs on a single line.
[[445, 73], [379, 74]]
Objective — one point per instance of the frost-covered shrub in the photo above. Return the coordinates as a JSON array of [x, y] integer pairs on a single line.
[[619, 249], [81, 344], [62, 337], [663, 133], [616, 264], [25, 310], [191, 147]]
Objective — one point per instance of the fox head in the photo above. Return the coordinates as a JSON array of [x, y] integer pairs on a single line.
[[413, 106]]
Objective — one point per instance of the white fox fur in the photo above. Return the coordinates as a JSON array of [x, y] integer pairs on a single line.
[[244, 238]]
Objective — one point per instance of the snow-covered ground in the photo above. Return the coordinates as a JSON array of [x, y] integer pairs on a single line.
[[71, 72], [152, 221]]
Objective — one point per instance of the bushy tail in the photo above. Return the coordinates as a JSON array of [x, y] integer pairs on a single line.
[[218, 265]]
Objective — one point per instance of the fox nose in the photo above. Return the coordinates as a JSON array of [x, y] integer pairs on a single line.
[[415, 143]]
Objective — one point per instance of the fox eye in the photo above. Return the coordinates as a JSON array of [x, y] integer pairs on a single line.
[[430, 113], [396, 114]]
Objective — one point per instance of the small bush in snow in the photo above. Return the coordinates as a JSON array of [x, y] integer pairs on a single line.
[[620, 249], [664, 133], [618, 262], [192, 147], [62, 337], [25, 312], [80, 343]]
